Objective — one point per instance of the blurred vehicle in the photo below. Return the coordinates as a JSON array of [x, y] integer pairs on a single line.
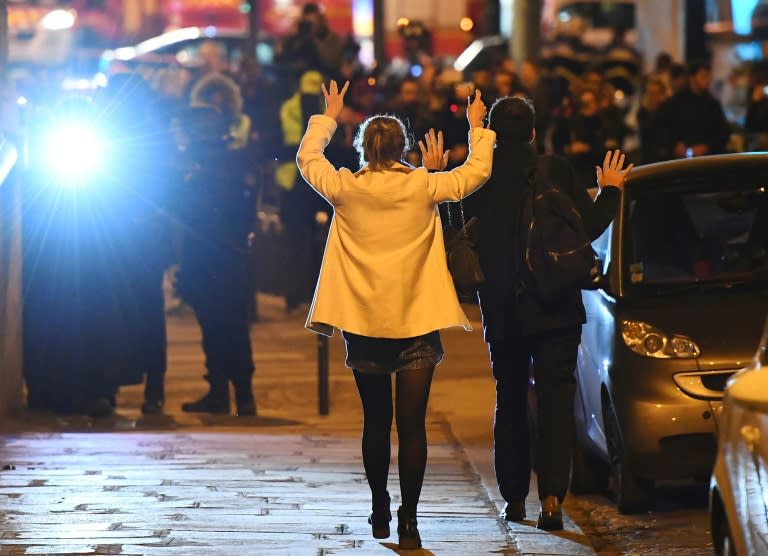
[[181, 48], [739, 486], [57, 43], [681, 310]]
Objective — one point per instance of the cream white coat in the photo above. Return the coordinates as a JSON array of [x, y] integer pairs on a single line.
[[384, 272]]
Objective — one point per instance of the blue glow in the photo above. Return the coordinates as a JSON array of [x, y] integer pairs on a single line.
[[210, 31], [417, 70], [742, 15], [749, 51]]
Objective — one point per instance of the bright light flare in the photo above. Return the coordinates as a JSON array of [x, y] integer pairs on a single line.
[[73, 152], [58, 20]]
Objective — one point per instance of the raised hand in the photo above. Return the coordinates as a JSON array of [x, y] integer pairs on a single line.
[[476, 110], [613, 173], [432, 155], [334, 99]]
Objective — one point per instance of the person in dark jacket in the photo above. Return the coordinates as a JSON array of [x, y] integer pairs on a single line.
[[693, 119], [518, 326], [141, 236], [653, 147], [215, 212]]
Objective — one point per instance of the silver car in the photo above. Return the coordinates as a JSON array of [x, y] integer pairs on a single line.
[[682, 310], [738, 496]]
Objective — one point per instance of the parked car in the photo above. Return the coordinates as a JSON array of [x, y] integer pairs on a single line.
[[739, 487], [181, 48], [681, 310]]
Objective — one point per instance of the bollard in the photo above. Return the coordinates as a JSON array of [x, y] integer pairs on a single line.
[[322, 374]]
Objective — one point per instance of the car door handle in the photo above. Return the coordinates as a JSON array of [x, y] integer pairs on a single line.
[[751, 436]]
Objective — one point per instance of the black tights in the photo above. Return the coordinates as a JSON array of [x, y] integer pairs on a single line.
[[411, 410]]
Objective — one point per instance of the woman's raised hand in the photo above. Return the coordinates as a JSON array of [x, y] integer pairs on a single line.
[[613, 173], [476, 110], [334, 99], [432, 155]]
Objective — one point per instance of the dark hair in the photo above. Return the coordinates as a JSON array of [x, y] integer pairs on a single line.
[[664, 61], [310, 8], [696, 66], [380, 141], [512, 118], [677, 70]]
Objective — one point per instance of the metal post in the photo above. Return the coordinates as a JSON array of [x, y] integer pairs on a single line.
[[253, 26], [322, 374], [379, 39]]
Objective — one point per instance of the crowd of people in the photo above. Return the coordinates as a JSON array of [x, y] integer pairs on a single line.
[[200, 152]]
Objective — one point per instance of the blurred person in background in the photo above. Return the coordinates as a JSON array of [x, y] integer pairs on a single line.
[[693, 119], [223, 92], [756, 121], [143, 186], [538, 87], [409, 105], [653, 144], [299, 205], [312, 45], [587, 137]]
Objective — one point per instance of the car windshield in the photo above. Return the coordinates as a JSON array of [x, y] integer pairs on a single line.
[[696, 233]]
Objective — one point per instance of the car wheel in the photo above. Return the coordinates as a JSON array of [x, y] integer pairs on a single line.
[[589, 474], [633, 494], [724, 542]]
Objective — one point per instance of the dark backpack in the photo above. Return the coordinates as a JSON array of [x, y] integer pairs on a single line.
[[557, 252]]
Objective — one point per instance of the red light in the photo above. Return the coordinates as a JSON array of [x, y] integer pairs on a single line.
[[454, 107]]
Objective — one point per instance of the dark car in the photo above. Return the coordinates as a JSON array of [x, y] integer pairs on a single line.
[[682, 309]]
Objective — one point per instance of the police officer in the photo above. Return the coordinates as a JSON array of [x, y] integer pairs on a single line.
[[216, 210]]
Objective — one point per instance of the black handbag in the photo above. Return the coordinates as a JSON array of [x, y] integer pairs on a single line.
[[463, 260]]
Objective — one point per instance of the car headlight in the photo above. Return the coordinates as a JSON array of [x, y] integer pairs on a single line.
[[649, 341]]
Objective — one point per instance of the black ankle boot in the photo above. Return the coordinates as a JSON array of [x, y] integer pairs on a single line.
[[379, 518], [216, 401], [407, 530], [246, 404], [551, 515]]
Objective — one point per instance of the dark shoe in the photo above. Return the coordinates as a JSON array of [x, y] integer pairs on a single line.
[[551, 515], [407, 530], [379, 519], [99, 407], [216, 401], [218, 405], [152, 407], [514, 511]]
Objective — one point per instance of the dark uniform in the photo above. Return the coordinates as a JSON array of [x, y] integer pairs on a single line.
[[216, 212]]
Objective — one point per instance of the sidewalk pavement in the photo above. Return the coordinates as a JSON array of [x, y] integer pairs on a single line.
[[287, 482]]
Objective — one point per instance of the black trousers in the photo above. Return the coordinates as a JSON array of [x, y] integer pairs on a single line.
[[225, 325], [552, 357]]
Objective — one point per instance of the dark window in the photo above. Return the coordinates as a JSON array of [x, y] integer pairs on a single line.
[[696, 232]]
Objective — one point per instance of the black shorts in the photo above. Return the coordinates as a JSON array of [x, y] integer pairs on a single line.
[[391, 355]]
